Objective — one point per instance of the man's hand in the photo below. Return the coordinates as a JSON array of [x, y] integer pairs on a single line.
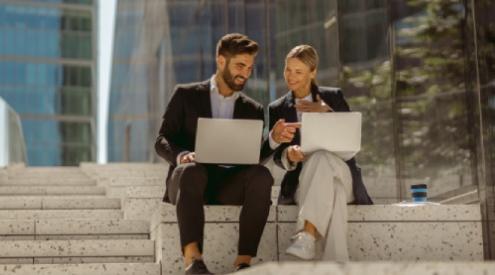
[[294, 154], [187, 158], [313, 107], [283, 132]]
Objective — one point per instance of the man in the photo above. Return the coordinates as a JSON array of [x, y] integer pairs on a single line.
[[189, 184]]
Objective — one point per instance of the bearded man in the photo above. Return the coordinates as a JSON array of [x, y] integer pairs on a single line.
[[191, 185]]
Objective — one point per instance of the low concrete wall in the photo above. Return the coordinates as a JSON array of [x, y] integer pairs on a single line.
[[379, 232]]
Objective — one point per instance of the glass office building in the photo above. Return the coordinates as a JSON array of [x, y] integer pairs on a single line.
[[421, 72], [47, 75]]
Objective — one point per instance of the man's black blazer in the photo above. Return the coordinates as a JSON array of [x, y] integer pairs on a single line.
[[284, 108], [188, 103]]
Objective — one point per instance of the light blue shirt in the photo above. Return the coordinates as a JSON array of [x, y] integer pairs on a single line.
[[221, 106]]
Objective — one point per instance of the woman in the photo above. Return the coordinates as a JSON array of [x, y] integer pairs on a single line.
[[321, 183]]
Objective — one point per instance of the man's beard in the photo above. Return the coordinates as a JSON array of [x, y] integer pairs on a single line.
[[229, 79]]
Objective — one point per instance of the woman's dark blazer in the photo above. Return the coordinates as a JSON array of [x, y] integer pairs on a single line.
[[284, 108]]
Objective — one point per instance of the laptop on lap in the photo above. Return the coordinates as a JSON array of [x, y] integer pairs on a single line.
[[336, 132], [228, 141]]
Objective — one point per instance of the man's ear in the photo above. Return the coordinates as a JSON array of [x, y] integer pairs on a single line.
[[221, 61]]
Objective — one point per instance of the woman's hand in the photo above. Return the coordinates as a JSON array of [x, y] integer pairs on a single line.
[[313, 107], [294, 154], [188, 158]]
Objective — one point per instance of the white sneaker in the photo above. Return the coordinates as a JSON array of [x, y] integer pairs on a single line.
[[303, 246]]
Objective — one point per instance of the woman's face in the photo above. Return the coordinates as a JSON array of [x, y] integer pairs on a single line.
[[298, 75]]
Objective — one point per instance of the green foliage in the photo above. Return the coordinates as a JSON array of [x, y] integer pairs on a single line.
[[431, 98]]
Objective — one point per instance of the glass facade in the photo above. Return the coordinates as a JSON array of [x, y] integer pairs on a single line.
[[47, 70], [480, 47], [421, 72]]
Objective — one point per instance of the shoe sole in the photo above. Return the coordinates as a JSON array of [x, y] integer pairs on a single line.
[[289, 252]]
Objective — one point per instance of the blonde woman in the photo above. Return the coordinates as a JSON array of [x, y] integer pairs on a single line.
[[321, 183]]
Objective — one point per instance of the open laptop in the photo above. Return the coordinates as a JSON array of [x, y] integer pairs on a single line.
[[336, 132], [228, 141]]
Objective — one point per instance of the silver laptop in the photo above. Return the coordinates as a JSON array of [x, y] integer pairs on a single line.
[[336, 132], [228, 141]]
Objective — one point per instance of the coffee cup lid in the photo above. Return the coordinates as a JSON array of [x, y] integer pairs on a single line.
[[419, 186]]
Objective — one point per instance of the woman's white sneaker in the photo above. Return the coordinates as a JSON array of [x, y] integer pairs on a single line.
[[303, 246]]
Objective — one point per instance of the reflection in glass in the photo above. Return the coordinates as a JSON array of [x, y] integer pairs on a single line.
[[433, 110], [366, 79], [401, 63]]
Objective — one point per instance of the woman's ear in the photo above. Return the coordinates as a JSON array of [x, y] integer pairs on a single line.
[[313, 75]]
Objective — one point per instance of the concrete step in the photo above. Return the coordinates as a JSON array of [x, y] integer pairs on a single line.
[[17, 229], [91, 228], [42, 168], [3, 174], [51, 190], [376, 268], [60, 214], [140, 202], [49, 169], [82, 269], [40, 202], [132, 181], [139, 208], [48, 181], [87, 251], [145, 192], [122, 167], [125, 170], [57, 229], [119, 165], [148, 191], [46, 171], [127, 174]]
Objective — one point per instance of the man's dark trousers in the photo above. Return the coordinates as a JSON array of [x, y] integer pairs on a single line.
[[193, 185]]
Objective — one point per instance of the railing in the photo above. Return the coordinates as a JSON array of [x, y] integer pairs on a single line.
[[12, 145]]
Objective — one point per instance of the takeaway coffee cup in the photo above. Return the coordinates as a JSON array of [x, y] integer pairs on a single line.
[[419, 192]]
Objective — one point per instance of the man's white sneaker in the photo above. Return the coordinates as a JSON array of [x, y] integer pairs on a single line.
[[303, 246]]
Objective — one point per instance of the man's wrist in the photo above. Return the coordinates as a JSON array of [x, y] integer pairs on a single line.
[[273, 143]]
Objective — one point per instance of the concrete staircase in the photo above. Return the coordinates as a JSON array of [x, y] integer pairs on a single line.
[[61, 221], [109, 219]]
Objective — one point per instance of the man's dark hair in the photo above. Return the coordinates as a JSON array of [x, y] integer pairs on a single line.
[[235, 43]]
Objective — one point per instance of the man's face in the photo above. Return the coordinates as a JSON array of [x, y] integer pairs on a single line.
[[236, 70]]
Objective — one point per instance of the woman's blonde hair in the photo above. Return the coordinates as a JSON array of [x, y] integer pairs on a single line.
[[307, 55]]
